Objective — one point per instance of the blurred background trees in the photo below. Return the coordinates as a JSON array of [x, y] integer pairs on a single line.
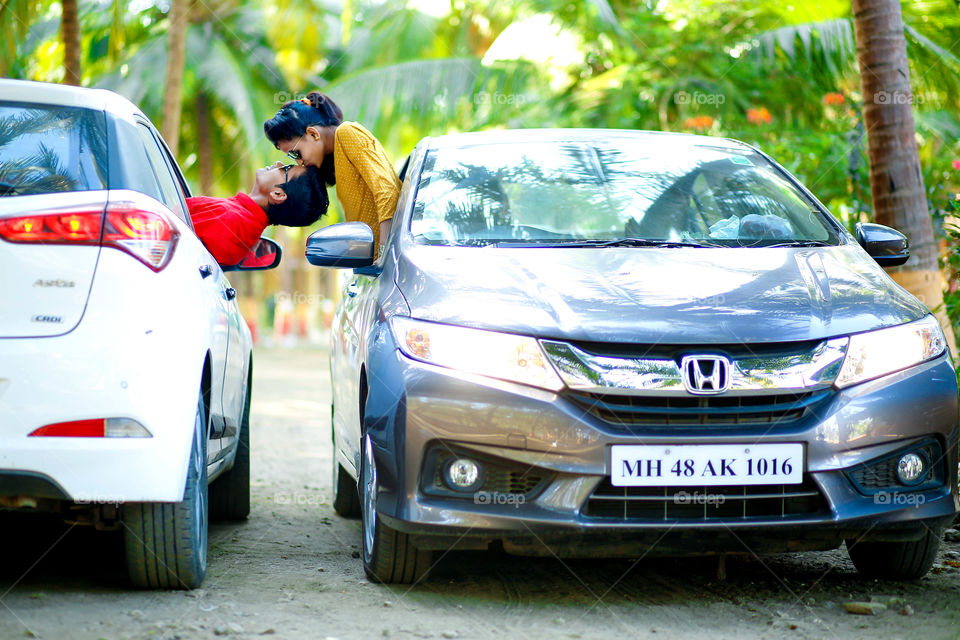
[[778, 75]]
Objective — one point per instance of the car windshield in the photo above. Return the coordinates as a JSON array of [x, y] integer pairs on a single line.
[[666, 192], [47, 149]]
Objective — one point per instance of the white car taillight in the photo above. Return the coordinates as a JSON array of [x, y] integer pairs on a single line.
[[146, 235], [95, 428], [136, 225]]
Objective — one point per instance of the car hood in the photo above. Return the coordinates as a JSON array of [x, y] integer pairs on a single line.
[[655, 295]]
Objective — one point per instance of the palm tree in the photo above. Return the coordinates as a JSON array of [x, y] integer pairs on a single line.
[[896, 181], [70, 34], [16, 16], [230, 85], [176, 59]]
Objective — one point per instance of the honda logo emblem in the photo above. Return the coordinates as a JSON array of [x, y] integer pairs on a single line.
[[705, 374]]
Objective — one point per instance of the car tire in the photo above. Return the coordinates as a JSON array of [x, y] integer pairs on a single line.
[[895, 560], [166, 543], [346, 498], [230, 492], [388, 555]]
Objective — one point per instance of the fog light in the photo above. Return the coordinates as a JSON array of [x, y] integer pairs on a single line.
[[463, 474], [911, 469]]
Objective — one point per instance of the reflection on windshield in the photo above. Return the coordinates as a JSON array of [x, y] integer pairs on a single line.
[[51, 149], [563, 193]]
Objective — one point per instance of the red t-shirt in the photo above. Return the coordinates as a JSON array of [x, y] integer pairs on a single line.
[[228, 227]]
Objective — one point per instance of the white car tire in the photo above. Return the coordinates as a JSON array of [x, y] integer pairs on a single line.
[[230, 492], [166, 543]]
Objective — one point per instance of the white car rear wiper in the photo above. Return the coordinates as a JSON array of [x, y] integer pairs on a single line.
[[6, 188]]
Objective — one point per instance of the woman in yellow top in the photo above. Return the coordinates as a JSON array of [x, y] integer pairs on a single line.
[[312, 132]]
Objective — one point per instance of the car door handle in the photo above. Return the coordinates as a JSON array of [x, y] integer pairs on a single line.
[[206, 270], [230, 292], [352, 289]]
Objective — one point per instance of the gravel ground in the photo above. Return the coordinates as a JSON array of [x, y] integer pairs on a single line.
[[292, 570]]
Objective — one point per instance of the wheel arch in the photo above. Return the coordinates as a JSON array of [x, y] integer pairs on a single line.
[[206, 381]]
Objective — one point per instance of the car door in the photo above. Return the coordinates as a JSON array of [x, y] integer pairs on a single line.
[[214, 283], [360, 313], [235, 367], [346, 365]]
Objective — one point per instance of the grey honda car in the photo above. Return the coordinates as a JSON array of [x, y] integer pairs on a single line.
[[591, 343]]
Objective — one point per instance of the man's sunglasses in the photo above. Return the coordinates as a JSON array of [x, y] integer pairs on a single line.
[[286, 175]]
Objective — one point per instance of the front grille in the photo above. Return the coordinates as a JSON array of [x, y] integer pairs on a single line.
[[721, 410], [879, 475], [740, 503]]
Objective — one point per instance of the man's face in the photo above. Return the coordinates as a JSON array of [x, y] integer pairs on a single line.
[[271, 177]]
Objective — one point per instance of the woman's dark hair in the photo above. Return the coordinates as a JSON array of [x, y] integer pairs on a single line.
[[306, 201], [293, 118]]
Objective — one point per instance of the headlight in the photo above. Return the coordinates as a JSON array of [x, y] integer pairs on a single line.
[[487, 353], [877, 353]]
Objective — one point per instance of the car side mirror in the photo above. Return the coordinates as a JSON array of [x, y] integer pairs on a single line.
[[347, 245], [887, 246], [265, 254]]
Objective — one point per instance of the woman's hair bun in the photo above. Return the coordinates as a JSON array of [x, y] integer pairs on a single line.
[[324, 105]]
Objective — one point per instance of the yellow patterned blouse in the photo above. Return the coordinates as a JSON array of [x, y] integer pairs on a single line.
[[367, 185]]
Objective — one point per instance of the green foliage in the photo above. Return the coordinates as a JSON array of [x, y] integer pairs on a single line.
[[780, 76]]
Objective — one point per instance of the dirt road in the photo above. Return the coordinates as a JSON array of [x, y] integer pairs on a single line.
[[292, 570]]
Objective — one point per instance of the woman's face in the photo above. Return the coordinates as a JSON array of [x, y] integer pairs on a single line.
[[306, 150]]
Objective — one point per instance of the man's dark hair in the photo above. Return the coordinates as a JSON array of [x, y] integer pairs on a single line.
[[293, 118], [306, 201]]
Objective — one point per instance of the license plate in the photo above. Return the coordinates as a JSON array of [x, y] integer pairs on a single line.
[[705, 465]]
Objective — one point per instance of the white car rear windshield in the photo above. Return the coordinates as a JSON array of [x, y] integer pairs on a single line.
[[49, 149], [569, 193]]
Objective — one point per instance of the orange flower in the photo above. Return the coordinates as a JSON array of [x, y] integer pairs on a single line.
[[833, 98], [759, 116], [698, 122]]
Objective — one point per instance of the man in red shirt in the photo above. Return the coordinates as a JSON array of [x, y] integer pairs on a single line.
[[282, 194]]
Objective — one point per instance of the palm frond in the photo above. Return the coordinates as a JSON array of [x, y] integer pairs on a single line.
[[936, 69], [942, 124], [224, 76], [607, 15], [422, 89], [829, 42]]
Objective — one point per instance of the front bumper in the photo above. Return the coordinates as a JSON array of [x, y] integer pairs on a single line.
[[414, 407]]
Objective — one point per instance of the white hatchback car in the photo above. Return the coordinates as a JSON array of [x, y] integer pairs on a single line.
[[125, 365]]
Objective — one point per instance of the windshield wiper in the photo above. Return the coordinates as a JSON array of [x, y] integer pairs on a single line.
[[797, 243], [616, 242], [645, 242]]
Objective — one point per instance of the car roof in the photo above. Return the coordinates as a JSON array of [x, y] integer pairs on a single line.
[[65, 95], [504, 136]]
